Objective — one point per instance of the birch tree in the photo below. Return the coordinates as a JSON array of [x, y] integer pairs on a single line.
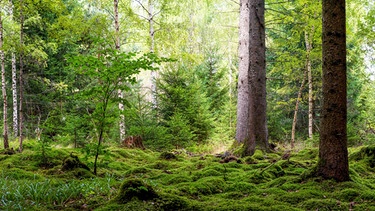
[[3, 87], [21, 79], [14, 79], [120, 92]]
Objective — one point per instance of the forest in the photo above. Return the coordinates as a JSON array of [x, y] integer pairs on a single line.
[[187, 105]]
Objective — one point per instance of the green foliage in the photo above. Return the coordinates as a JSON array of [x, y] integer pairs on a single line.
[[137, 179], [135, 188], [107, 73], [183, 107]]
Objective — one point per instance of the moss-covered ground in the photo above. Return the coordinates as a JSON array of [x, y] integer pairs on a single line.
[[131, 179]]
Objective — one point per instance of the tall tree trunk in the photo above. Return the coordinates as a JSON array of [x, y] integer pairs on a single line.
[[21, 80], [308, 41], [152, 46], [258, 133], [14, 96], [292, 141], [3, 88], [120, 92], [333, 152], [243, 71], [14, 83]]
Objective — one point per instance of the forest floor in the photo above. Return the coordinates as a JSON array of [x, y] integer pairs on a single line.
[[132, 179]]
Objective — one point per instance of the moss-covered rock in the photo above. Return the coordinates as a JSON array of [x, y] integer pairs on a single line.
[[72, 162], [135, 188]]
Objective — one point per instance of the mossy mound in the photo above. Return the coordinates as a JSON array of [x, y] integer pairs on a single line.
[[367, 154], [8, 151], [72, 162], [75, 168], [168, 156], [135, 188]]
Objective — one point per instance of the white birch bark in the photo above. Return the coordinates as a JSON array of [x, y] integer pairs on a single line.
[[21, 81], [296, 110], [310, 83], [152, 44], [3, 88], [120, 92], [14, 83]]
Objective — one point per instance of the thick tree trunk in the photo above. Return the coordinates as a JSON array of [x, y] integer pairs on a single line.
[[21, 80], [308, 42], [333, 152], [243, 71], [258, 133], [120, 92], [292, 141], [3, 88]]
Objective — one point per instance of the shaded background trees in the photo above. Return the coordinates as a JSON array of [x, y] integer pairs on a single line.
[[202, 37]]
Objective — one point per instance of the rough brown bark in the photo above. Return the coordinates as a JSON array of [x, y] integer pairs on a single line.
[[3, 88], [243, 69], [258, 133], [333, 153]]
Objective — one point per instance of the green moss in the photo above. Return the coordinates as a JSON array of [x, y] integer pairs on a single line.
[[366, 154], [250, 160], [306, 154], [242, 187], [299, 196], [18, 174], [173, 202], [160, 165], [72, 162], [204, 186], [135, 188], [206, 173], [258, 155], [120, 166], [173, 179], [82, 173], [323, 204], [368, 195], [138, 171], [168, 156], [347, 194]]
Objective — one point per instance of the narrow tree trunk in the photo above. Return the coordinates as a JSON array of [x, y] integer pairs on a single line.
[[308, 41], [14, 96], [14, 83], [120, 92], [21, 80], [243, 71], [333, 152], [258, 133], [152, 46], [3, 88], [296, 110]]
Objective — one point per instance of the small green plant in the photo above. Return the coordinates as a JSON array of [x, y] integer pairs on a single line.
[[107, 74]]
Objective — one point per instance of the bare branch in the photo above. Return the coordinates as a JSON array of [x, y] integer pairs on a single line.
[[234, 2], [139, 2]]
